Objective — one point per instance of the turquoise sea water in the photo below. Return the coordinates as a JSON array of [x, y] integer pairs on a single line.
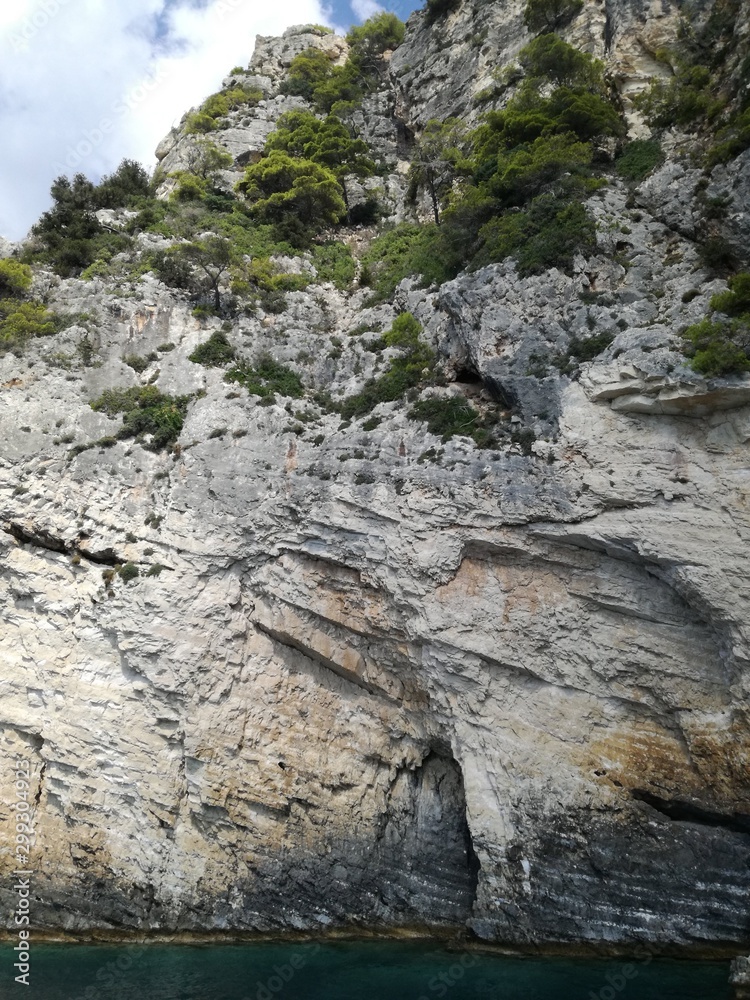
[[345, 971]]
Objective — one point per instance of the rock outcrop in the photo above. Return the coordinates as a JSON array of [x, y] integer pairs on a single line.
[[366, 676]]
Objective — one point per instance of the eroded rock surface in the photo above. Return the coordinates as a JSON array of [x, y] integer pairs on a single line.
[[365, 675]]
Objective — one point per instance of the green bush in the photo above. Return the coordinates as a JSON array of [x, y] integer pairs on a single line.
[[333, 262], [404, 372], [15, 278], [549, 15], [686, 99], [266, 378], [447, 416], [146, 412], [736, 301], [129, 572], [547, 234], [407, 249], [215, 352], [436, 9], [307, 71], [198, 123], [732, 139], [639, 158], [21, 321], [718, 348], [139, 363], [300, 193]]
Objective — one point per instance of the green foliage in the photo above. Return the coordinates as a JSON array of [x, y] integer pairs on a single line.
[[638, 159], [449, 416], [548, 57], [266, 378], [125, 188], [189, 187], [549, 15], [147, 413], [404, 332], [15, 277], [718, 348], [405, 250], [369, 41], [525, 171], [211, 258], [736, 301], [333, 262], [260, 278], [340, 88], [686, 99], [215, 352], [128, 572], [69, 237], [721, 346], [21, 321], [138, 362], [436, 9], [218, 106], [171, 268], [299, 193], [404, 372], [327, 142], [732, 139], [198, 123], [438, 157], [549, 233], [307, 71]]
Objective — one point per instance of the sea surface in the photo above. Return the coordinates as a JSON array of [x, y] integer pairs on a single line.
[[345, 971]]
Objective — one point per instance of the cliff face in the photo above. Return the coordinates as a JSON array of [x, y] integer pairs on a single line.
[[379, 678]]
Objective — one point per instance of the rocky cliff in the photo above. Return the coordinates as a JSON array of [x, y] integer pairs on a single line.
[[367, 676]]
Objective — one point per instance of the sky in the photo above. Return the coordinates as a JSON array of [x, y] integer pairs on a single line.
[[86, 83]]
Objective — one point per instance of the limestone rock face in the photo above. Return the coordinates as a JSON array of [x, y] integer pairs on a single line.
[[365, 675]]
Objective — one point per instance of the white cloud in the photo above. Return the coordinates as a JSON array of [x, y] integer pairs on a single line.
[[365, 8], [84, 83]]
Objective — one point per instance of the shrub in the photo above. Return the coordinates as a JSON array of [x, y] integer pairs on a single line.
[[333, 262], [306, 71], [146, 413], [376, 36], [732, 139], [638, 159], [435, 9], [215, 352], [20, 321], [404, 373], [15, 278], [446, 416], [128, 572], [138, 363], [198, 123], [547, 234], [295, 191], [266, 378], [406, 250], [549, 15], [736, 301], [718, 348]]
